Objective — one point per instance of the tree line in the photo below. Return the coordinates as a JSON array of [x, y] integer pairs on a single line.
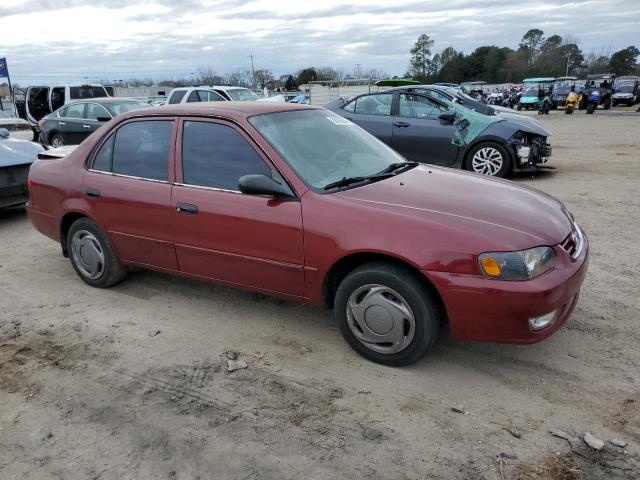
[[536, 56]]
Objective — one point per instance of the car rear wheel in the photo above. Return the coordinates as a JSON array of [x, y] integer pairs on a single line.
[[57, 141], [92, 257], [386, 314], [489, 158], [607, 104]]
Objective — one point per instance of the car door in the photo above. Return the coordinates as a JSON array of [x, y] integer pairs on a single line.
[[94, 116], [222, 234], [373, 113], [37, 103], [70, 123], [128, 189], [419, 134]]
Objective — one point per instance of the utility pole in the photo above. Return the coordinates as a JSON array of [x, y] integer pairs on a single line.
[[568, 57], [253, 71], [357, 72]]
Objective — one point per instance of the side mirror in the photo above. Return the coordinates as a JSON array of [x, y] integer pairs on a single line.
[[263, 185], [448, 116], [103, 119]]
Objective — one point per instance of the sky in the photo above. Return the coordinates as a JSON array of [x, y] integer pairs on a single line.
[[56, 41]]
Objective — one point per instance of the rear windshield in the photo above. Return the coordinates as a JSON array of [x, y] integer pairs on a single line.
[[87, 92], [242, 95], [117, 108]]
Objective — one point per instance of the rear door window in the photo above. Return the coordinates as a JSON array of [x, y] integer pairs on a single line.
[[137, 149], [75, 110], [57, 97], [216, 155]]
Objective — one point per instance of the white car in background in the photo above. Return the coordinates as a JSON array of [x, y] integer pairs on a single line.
[[18, 128], [216, 93]]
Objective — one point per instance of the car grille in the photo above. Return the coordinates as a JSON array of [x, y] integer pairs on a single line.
[[574, 243]]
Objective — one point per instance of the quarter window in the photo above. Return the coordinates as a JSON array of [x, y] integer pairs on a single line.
[[138, 149], [378, 104], [216, 155], [177, 96]]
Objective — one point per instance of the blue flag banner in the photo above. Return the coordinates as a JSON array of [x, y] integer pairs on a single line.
[[4, 70]]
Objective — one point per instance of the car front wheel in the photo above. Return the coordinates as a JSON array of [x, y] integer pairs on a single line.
[[92, 257], [386, 314], [489, 158]]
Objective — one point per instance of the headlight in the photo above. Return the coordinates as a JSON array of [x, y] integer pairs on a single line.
[[522, 265]]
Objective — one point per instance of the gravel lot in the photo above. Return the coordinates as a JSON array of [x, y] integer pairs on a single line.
[[131, 382]]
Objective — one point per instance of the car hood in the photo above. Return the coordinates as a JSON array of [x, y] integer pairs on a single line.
[[489, 214], [525, 123], [18, 152]]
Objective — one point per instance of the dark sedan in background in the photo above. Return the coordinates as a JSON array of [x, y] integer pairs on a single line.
[[423, 127], [74, 122]]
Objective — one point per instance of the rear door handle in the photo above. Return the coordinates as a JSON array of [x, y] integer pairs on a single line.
[[62, 124], [93, 193], [401, 124], [86, 126], [187, 208]]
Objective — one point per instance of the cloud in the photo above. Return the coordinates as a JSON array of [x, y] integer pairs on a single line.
[[46, 40]]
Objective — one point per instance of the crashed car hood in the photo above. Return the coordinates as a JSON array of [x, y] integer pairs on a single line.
[[525, 123], [489, 213], [18, 152]]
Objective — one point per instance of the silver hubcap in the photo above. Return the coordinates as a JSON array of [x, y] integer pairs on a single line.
[[380, 319], [487, 161], [87, 254], [57, 142]]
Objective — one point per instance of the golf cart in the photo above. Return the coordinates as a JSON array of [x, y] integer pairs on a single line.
[[602, 83], [561, 88], [626, 91], [530, 98]]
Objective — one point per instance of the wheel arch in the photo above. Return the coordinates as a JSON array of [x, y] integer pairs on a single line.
[[342, 267], [66, 221]]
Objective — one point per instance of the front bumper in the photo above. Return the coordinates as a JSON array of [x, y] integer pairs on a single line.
[[530, 156], [482, 309]]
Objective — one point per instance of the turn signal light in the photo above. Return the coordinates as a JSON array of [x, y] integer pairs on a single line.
[[490, 267]]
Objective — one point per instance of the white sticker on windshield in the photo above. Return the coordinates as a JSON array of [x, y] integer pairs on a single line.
[[339, 121]]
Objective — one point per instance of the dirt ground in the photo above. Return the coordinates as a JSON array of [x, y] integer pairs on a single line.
[[131, 382]]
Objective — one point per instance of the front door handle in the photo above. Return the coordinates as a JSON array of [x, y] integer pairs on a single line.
[[187, 208], [401, 124], [62, 124], [93, 193], [86, 126]]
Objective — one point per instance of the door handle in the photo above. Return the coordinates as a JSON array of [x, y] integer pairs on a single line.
[[93, 193], [187, 208], [62, 124], [401, 124], [86, 126]]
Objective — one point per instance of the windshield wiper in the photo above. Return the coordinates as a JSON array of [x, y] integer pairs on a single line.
[[390, 171], [399, 166]]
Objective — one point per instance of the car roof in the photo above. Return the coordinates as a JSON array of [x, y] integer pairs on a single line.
[[234, 110]]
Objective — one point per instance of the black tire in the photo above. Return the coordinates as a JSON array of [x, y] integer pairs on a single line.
[[607, 104], [57, 138], [424, 306], [591, 108], [506, 158], [113, 271], [568, 110], [519, 106]]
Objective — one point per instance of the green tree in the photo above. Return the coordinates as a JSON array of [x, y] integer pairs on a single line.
[[623, 61], [531, 42], [307, 75], [420, 62]]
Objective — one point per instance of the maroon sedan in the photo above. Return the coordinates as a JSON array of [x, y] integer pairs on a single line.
[[298, 202]]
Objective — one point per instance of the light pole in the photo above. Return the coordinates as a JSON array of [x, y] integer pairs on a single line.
[[566, 74], [253, 72]]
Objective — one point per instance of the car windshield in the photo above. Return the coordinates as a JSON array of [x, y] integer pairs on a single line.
[[242, 95], [323, 147], [625, 88], [123, 107]]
